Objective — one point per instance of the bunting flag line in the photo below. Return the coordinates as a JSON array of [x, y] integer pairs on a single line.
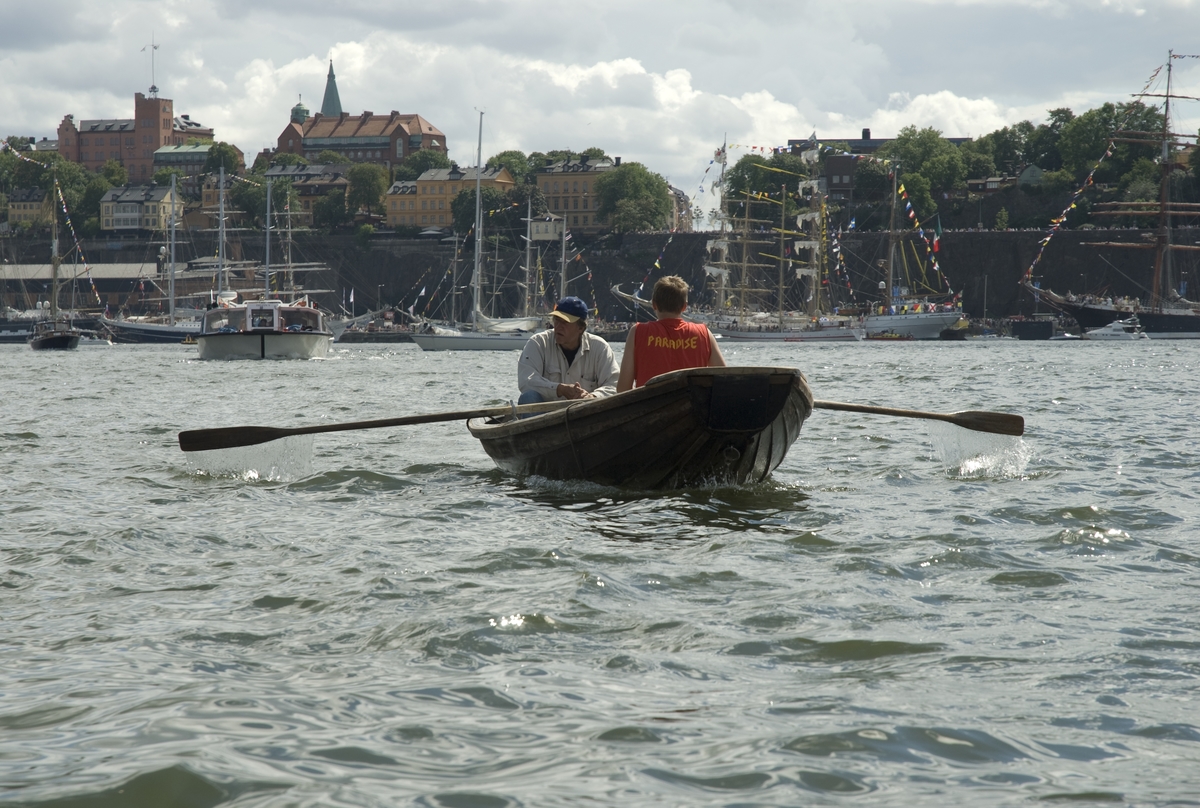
[[1057, 222]]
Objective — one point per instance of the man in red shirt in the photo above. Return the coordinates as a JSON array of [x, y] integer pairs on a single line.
[[670, 342]]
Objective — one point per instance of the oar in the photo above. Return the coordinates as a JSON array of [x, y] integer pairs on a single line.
[[229, 437], [1000, 423]]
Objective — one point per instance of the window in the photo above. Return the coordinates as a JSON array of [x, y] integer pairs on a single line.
[[576, 186], [441, 204], [576, 220], [424, 205], [585, 186], [556, 203], [577, 205]]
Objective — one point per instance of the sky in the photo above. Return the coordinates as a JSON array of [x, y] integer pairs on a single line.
[[660, 82]]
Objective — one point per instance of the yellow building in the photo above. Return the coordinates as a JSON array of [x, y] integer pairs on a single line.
[[425, 202], [570, 190], [138, 207], [29, 206]]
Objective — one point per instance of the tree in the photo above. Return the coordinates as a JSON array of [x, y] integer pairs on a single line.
[[1002, 219], [927, 153], [462, 208], [1041, 144], [419, 162], [222, 155], [288, 159], [114, 172], [754, 176], [515, 161], [979, 157], [918, 189], [163, 177], [1085, 139], [368, 184], [330, 210], [649, 197], [328, 157]]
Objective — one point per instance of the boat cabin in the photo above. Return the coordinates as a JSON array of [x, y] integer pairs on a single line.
[[261, 316]]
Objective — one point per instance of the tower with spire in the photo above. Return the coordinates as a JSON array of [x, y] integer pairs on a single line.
[[331, 104]]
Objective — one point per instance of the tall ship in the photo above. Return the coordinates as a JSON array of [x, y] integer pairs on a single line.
[[902, 314], [55, 332], [1163, 312], [793, 277]]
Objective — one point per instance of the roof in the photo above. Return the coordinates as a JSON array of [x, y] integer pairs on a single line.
[[197, 149], [107, 125], [299, 172], [584, 163], [403, 187], [27, 195], [367, 125], [137, 193], [457, 174]]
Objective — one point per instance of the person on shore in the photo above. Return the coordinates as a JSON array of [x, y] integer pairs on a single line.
[[566, 362], [670, 342]]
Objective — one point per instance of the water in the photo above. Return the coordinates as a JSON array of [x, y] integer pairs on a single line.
[[905, 613]]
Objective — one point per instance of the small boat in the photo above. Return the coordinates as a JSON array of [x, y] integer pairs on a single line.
[[1123, 330], [700, 426], [1066, 336]]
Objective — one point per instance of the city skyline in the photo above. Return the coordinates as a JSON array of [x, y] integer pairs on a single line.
[[661, 85]]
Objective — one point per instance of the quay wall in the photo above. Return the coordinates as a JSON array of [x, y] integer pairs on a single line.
[[394, 270]]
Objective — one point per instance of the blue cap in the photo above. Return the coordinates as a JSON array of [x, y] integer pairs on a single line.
[[571, 309]]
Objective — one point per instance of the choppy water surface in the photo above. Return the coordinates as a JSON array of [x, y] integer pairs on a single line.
[[905, 614]]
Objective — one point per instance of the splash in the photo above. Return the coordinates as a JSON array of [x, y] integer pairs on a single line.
[[276, 461], [979, 454]]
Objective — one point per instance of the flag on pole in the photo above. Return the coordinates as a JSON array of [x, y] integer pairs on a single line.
[[937, 234], [351, 295]]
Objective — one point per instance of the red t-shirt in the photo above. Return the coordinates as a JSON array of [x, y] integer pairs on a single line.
[[666, 345]]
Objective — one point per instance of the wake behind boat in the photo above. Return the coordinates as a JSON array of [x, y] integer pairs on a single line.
[[716, 425]]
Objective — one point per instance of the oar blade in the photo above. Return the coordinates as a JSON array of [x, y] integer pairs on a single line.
[[998, 423], [230, 437]]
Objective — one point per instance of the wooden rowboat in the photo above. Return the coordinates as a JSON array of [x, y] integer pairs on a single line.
[[698, 426]]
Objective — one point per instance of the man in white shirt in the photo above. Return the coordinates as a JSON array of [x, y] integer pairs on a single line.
[[566, 362]]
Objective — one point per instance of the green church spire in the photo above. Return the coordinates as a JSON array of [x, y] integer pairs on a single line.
[[331, 105]]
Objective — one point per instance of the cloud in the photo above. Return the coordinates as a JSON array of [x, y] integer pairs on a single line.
[[660, 83]]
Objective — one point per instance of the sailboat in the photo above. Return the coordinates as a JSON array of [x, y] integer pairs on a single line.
[[54, 333], [902, 316], [1165, 313], [816, 324], [260, 329], [483, 333]]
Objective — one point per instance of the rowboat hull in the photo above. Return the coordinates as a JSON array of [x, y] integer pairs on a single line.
[[700, 426]]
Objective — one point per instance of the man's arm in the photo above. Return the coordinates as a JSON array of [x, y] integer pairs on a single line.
[[530, 368], [628, 368], [715, 359], [607, 371]]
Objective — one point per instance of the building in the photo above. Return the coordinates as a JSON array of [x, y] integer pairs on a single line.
[[130, 141], [30, 206], [366, 138], [839, 177], [862, 145], [681, 211], [310, 182], [570, 190], [135, 208], [426, 200], [190, 160]]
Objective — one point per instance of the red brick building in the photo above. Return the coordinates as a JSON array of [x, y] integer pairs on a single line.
[[130, 141]]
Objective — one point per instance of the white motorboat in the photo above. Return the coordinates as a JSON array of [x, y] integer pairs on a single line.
[[1128, 329], [264, 329]]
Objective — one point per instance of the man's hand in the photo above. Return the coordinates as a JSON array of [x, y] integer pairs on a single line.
[[572, 391]]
